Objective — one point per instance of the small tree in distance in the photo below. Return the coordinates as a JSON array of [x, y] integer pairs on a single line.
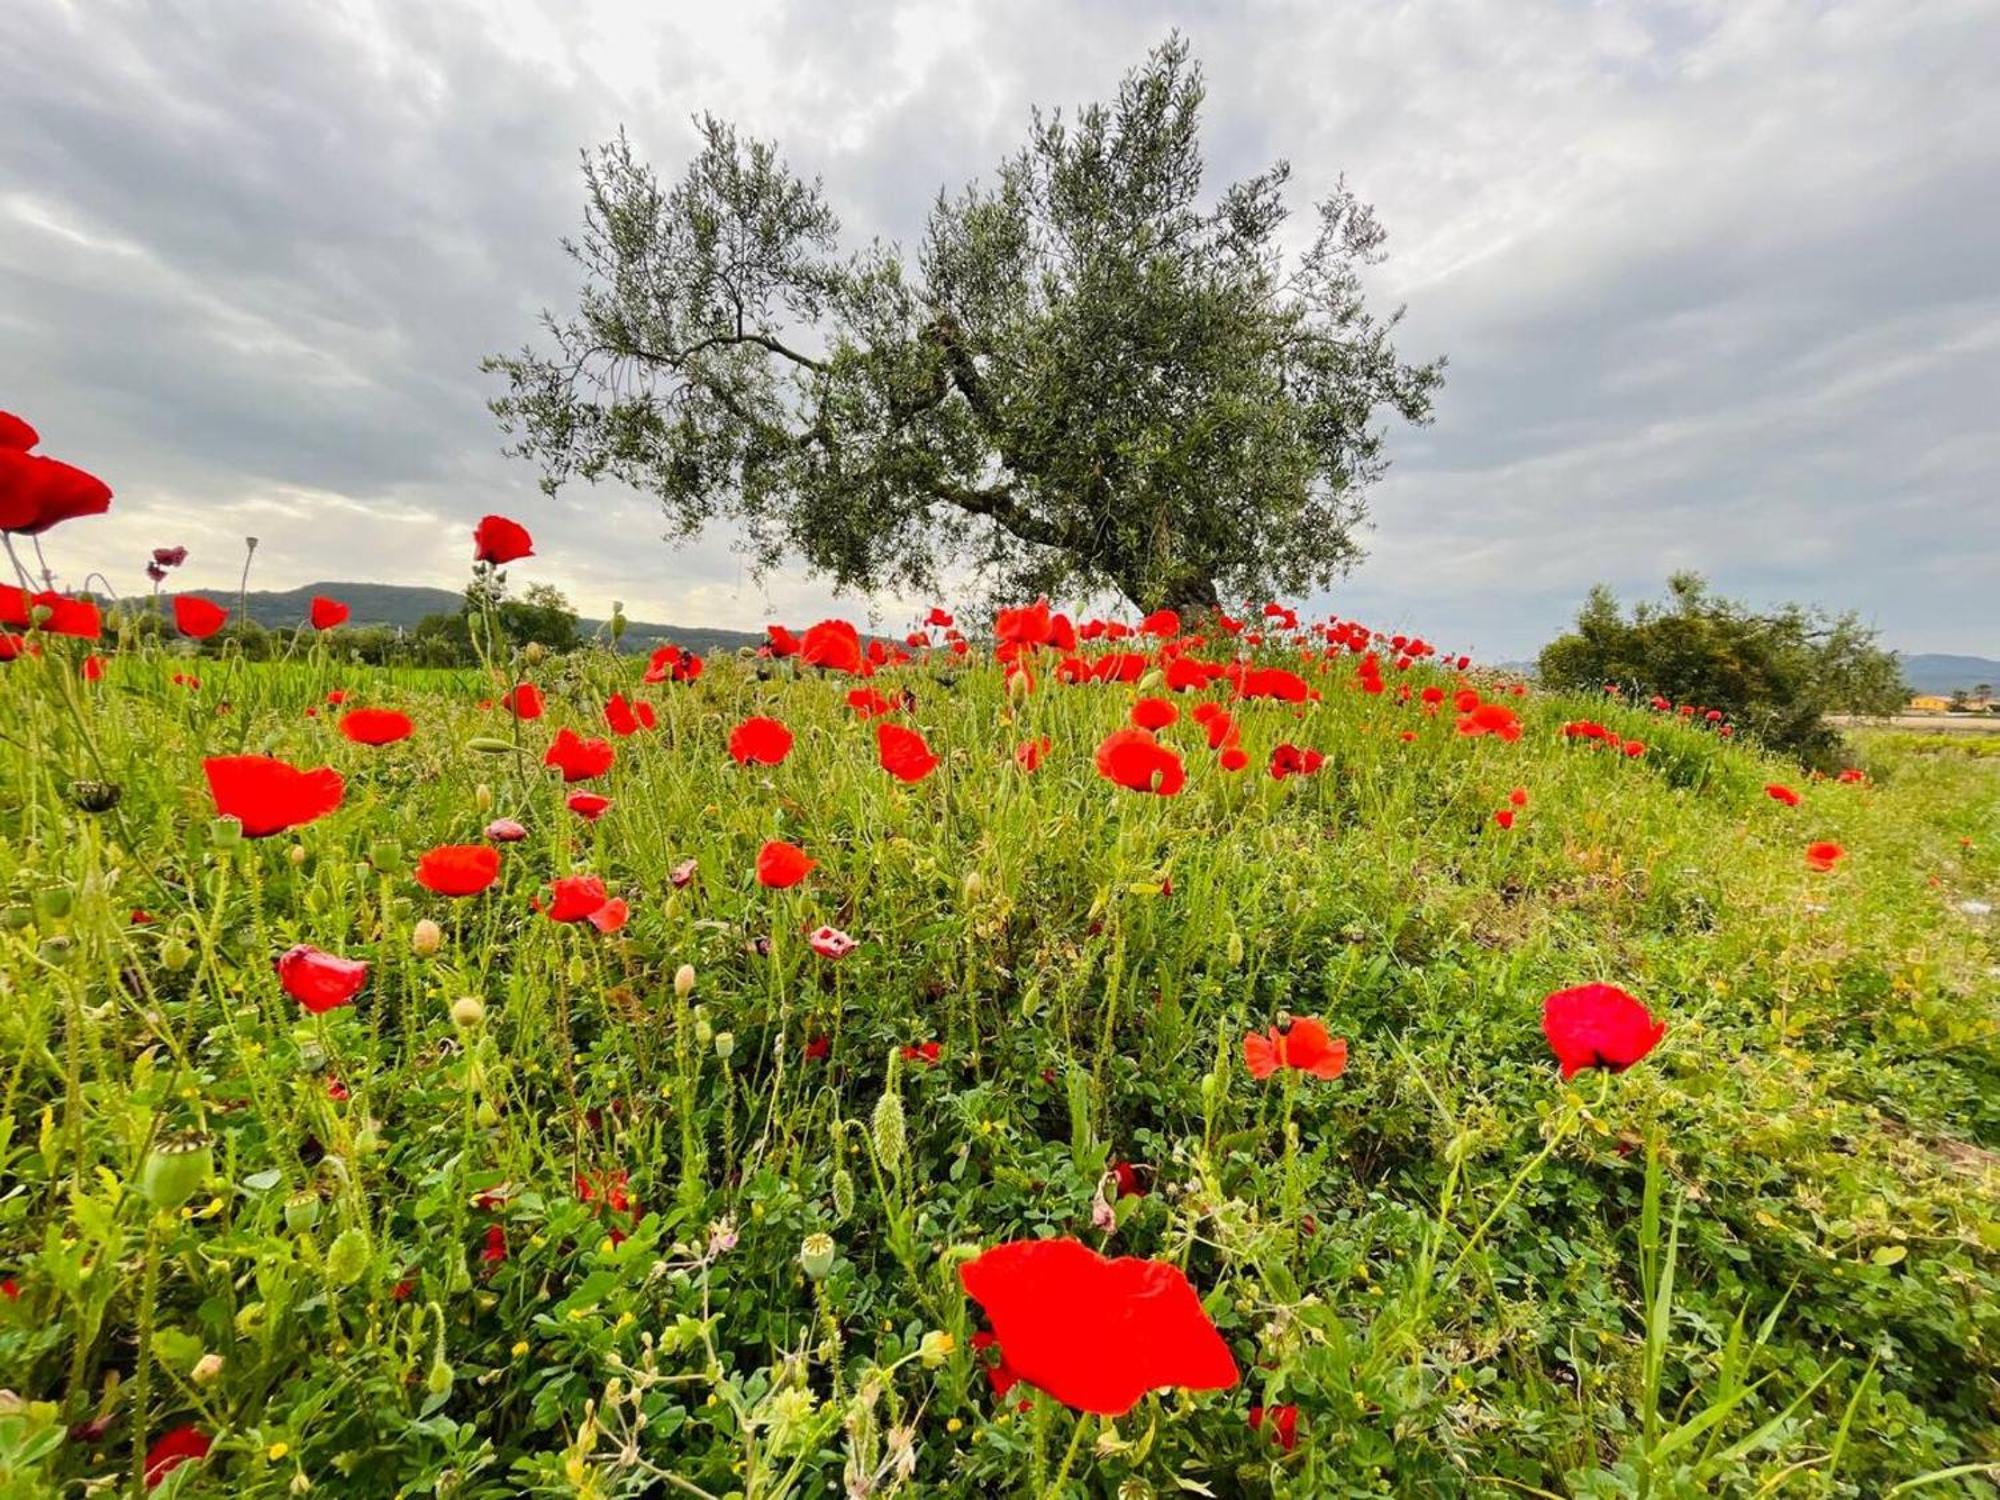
[[1777, 674], [1087, 377]]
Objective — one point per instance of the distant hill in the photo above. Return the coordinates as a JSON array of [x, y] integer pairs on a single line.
[[405, 605], [1945, 675]]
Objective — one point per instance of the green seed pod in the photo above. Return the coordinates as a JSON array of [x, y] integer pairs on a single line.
[[347, 1260], [816, 1255], [17, 917], [891, 1136], [52, 903], [56, 951], [302, 1211], [176, 955], [225, 833], [725, 1044], [386, 855], [486, 1115], [843, 1194], [176, 1169], [438, 1380]]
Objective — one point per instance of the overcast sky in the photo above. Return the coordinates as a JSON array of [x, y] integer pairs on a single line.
[[1719, 281]]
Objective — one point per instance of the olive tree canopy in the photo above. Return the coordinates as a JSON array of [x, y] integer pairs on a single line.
[[1087, 376]]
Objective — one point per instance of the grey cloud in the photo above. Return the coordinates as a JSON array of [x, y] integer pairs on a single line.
[[1715, 277]]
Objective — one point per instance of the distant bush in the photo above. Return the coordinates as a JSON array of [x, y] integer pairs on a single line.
[[1776, 675]]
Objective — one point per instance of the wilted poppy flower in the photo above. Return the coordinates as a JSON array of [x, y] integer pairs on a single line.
[[1824, 855], [459, 869], [590, 806], [1598, 1026], [903, 753], [1139, 763], [1154, 713], [498, 540], [37, 492], [505, 831], [376, 726], [760, 741], [682, 875], [781, 865], [1095, 1333], [1284, 1424], [1778, 792], [198, 617], [170, 557], [327, 613], [831, 942], [319, 981], [1029, 754], [1301, 1044], [577, 758], [268, 796], [171, 1449]]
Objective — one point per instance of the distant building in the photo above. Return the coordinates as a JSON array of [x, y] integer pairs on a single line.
[[1929, 703]]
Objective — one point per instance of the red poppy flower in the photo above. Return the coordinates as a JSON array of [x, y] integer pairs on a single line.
[[1029, 754], [1504, 817], [268, 796], [1301, 1044], [172, 1449], [37, 492], [590, 806], [1030, 625], [16, 433], [1235, 758], [626, 718], [198, 617], [1598, 1026], [319, 981], [523, 701], [494, 1251], [869, 704], [1491, 718], [611, 916], [998, 1371], [938, 619], [1852, 776], [1284, 1422], [781, 865], [817, 1048], [926, 1053], [57, 614], [1139, 763], [783, 642], [376, 726], [92, 668], [1290, 760], [1824, 855], [670, 663], [1778, 792], [577, 758], [1272, 682], [1519, 796], [1634, 749], [582, 898], [1127, 1177], [1096, 1334], [760, 741], [327, 613], [458, 869], [834, 645], [499, 541], [1154, 713], [903, 753]]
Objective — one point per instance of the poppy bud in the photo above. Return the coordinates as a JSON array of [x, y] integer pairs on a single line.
[[617, 621], [578, 969], [175, 956], [426, 938], [684, 981], [482, 796], [95, 796], [226, 832], [487, 744], [385, 855], [176, 1169], [438, 1380], [55, 951], [17, 917], [52, 903], [347, 1259], [467, 1012], [843, 1194], [816, 1255], [703, 1032], [486, 1114], [302, 1211], [1018, 685], [297, 855], [1152, 681], [207, 1370], [973, 885], [725, 1044], [1234, 951]]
